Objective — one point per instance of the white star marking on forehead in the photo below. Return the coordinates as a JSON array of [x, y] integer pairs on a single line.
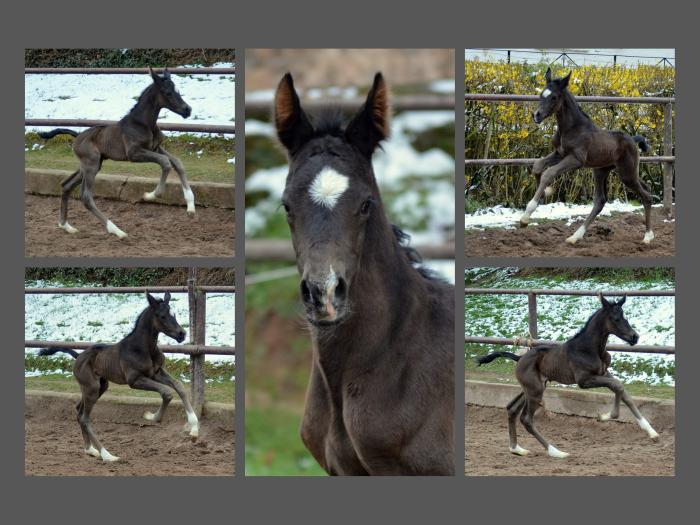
[[546, 93], [327, 187]]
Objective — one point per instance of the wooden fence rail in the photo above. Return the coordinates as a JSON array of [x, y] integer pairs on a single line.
[[197, 349], [127, 70], [667, 160], [532, 294]]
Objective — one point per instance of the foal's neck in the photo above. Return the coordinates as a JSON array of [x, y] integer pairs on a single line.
[[598, 334], [569, 115], [146, 109], [145, 331]]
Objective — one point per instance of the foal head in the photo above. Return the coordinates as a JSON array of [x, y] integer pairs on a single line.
[[615, 321], [331, 197], [163, 319], [166, 96], [551, 97]]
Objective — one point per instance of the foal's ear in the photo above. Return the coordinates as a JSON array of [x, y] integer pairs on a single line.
[[166, 74], [603, 300], [564, 82], [371, 124], [166, 297], [154, 75], [151, 300], [548, 75], [622, 301], [292, 123]]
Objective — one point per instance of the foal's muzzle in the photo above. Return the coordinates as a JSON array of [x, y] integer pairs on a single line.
[[184, 112], [325, 302], [633, 339], [180, 335], [537, 117]]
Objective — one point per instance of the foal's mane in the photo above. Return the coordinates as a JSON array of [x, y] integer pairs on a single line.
[[142, 96], [585, 326], [138, 319], [571, 97]]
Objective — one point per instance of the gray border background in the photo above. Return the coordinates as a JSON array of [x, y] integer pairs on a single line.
[[263, 23]]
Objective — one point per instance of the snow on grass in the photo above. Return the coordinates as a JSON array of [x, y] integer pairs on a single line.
[[503, 217], [561, 317], [110, 97], [110, 317]]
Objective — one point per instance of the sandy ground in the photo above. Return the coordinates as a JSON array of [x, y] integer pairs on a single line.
[[617, 236], [54, 444], [154, 230], [597, 448]]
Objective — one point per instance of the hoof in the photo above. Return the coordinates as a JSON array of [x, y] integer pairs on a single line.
[[648, 237], [548, 191], [112, 228], [67, 227], [107, 457], [149, 196], [554, 452], [654, 435], [572, 240], [523, 223], [149, 416], [605, 417], [518, 450], [190, 212], [93, 451]]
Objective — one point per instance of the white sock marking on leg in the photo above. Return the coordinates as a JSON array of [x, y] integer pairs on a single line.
[[519, 451], [328, 187], [605, 417], [67, 227], [194, 424], [548, 191], [149, 416], [648, 237], [93, 451], [149, 196], [106, 456], [112, 228], [189, 199], [644, 424], [531, 206], [556, 453], [577, 235]]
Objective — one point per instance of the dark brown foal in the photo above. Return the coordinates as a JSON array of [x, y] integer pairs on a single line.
[[581, 360], [579, 143], [136, 361]]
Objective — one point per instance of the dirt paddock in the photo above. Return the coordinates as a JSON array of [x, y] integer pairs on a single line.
[[154, 230], [54, 444], [619, 235], [597, 448]]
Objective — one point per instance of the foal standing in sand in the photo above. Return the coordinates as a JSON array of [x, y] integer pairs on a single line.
[[582, 360], [135, 138], [136, 361], [579, 143]]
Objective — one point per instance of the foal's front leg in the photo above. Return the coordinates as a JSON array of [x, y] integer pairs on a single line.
[[192, 422], [542, 164], [616, 386], [568, 163], [180, 170], [136, 153]]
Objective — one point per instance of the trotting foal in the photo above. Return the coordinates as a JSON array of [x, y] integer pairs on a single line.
[[136, 361], [581, 360], [135, 138], [579, 143]]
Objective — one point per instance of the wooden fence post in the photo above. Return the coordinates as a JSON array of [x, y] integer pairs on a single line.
[[198, 311], [532, 314], [667, 166]]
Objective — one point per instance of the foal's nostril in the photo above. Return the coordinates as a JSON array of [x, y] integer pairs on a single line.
[[305, 292], [341, 289]]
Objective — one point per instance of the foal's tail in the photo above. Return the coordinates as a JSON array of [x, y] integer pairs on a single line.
[[495, 355], [642, 143], [52, 351], [58, 131]]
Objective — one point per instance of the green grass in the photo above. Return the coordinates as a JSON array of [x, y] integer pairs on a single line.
[[273, 445], [217, 391], [211, 166]]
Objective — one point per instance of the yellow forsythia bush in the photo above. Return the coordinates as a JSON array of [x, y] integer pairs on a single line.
[[506, 129]]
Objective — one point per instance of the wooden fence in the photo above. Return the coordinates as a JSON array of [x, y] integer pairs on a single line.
[[532, 294], [668, 159], [197, 348]]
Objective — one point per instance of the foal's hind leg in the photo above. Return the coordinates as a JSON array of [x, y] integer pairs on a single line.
[[527, 418], [600, 182], [514, 408], [91, 393], [615, 412], [66, 187], [629, 175], [89, 169]]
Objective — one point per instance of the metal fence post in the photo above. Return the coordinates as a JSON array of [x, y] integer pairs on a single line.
[[668, 166], [197, 306], [532, 314]]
